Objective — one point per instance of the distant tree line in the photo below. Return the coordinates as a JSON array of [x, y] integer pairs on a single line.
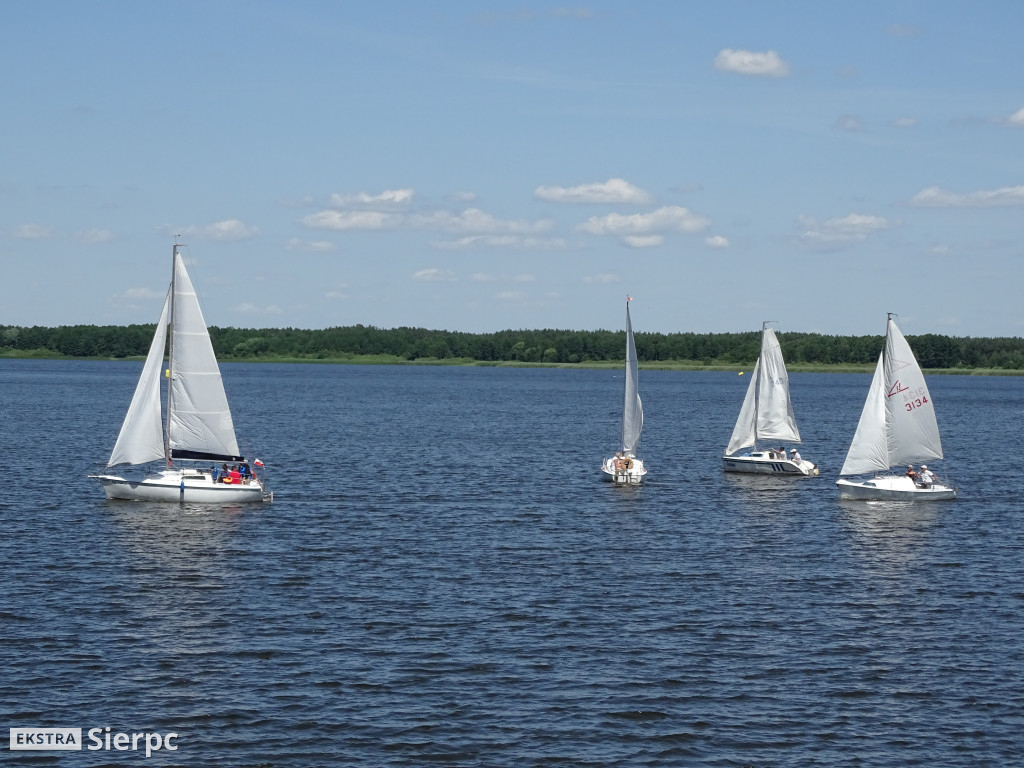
[[548, 346]]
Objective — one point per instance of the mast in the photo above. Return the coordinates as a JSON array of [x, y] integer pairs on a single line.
[[759, 372], [170, 357]]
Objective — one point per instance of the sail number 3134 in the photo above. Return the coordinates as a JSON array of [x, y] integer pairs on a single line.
[[917, 402]]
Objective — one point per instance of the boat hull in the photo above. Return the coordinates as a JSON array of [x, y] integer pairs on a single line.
[[632, 476], [762, 464], [893, 488], [183, 486]]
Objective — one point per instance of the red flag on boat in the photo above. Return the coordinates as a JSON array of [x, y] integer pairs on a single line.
[[258, 463]]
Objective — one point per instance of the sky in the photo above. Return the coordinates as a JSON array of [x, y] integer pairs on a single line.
[[481, 166]]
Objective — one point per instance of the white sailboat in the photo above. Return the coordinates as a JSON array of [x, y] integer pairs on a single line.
[[897, 427], [767, 414], [624, 468], [197, 426]]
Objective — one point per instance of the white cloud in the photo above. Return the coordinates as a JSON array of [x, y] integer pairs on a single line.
[[473, 220], [434, 275], [144, 293], [849, 123], [604, 278], [1017, 118], [345, 220], [463, 197], [338, 295], [510, 296], [611, 191], [716, 241], [95, 236], [936, 197], [524, 277], [389, 198], [500, 241], [842, 230], [643, 241], [766, 64], [317, 246], [671, 217], [229, 229], [905, 122], [31, 232]]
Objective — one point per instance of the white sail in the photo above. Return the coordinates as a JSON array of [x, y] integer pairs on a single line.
[[744, 434], [633, 410], [913, 433], [897, 425], [199, 424], [767, 411], [142, 434]]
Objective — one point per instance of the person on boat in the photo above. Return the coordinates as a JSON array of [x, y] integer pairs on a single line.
[[224, 476], [245, 472], [781, 453], [793, 455], [927, 476], [619, 463], [911, 473], [214, 474], [236, 476]]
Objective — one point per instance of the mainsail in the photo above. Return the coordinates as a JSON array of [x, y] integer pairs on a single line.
[[199, 424], [767, 412], [897, 425], [633, 410]]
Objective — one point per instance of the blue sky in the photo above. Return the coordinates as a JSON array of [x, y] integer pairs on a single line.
[[478, 166]]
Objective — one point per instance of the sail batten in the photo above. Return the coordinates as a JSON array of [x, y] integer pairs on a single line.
[[897, 425]]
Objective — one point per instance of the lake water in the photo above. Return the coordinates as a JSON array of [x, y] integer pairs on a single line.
[[444, 580]]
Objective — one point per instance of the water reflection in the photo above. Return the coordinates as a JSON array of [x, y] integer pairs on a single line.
[[888, 533]]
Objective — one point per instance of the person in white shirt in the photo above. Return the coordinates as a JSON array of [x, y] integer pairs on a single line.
[[927, 476], [793, 455]]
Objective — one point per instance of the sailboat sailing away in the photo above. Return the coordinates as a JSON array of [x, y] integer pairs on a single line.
[[767, 414], [197, 426], [624, 468], [897, 427]]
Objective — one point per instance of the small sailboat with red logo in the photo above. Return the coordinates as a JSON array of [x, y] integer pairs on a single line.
[[897, 428]]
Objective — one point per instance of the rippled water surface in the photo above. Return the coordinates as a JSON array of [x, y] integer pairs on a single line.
[[443, 579]]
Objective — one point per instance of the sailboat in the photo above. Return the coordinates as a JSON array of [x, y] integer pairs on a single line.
[[624, 468], [197, 426], [767, 414], [897, 427]]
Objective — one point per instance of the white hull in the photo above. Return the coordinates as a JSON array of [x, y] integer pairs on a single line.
[[183, 485], [632, 476], [893, 488], [761, 463]]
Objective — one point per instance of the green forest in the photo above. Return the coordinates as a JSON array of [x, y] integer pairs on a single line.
[[359, 342]]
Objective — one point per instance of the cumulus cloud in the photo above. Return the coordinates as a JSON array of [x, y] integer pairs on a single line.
[[643, 241], [1017, 118], [849, 123], [716, 241], [668, 218], [345, 220], [434, 275], [389, 198], [767, 64], [501, 241], [844, 230], [611, 191], [95, 236], [473, 220], [936, 197], [604, 278], [229, 229], [316, 246], [31, 232]]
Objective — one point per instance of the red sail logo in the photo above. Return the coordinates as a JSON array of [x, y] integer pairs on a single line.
[[896, 388]]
